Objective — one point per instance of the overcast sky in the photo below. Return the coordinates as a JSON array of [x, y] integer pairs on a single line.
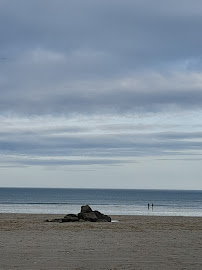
[[101, 93]]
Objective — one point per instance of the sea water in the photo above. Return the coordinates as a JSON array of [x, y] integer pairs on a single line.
[[108, 201]]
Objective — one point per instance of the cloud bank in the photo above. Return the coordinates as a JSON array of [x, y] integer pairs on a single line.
[[87, 83]]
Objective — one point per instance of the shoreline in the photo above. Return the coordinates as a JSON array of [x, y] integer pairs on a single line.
[[113, 215], [134, 242]]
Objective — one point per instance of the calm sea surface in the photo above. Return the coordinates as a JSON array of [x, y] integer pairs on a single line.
[[109, 201]]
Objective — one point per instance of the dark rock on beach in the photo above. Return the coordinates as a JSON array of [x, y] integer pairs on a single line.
[[70, 218], [54, 220], [90, 216], [86, 209], [102, 217], [86, 214]]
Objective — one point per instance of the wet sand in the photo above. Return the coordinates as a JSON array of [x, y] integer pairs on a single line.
[[134, 242]]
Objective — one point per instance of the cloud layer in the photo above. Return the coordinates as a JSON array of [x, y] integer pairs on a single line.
[[99, 82], [93, 57], [87, 141]]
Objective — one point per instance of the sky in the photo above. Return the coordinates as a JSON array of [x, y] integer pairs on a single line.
[[101, 94]]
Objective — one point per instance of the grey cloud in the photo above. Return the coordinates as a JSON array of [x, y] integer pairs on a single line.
[[135, 127], [70, 56], [114, 102], [131, 33], [180, 136], [120, 146], [182, 159], [98, 58], [16, 162]]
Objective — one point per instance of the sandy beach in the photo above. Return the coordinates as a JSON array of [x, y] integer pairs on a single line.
[[134, 242]]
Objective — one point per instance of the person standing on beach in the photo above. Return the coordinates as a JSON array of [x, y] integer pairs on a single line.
[[148, 205], [152, 206]]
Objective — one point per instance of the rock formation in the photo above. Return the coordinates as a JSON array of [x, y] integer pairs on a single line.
[[86, 214]]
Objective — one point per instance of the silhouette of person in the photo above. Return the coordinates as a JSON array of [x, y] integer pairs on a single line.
[[148, 205], [152, 206]]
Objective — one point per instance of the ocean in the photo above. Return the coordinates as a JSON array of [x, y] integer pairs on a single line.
[[108, 201]]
